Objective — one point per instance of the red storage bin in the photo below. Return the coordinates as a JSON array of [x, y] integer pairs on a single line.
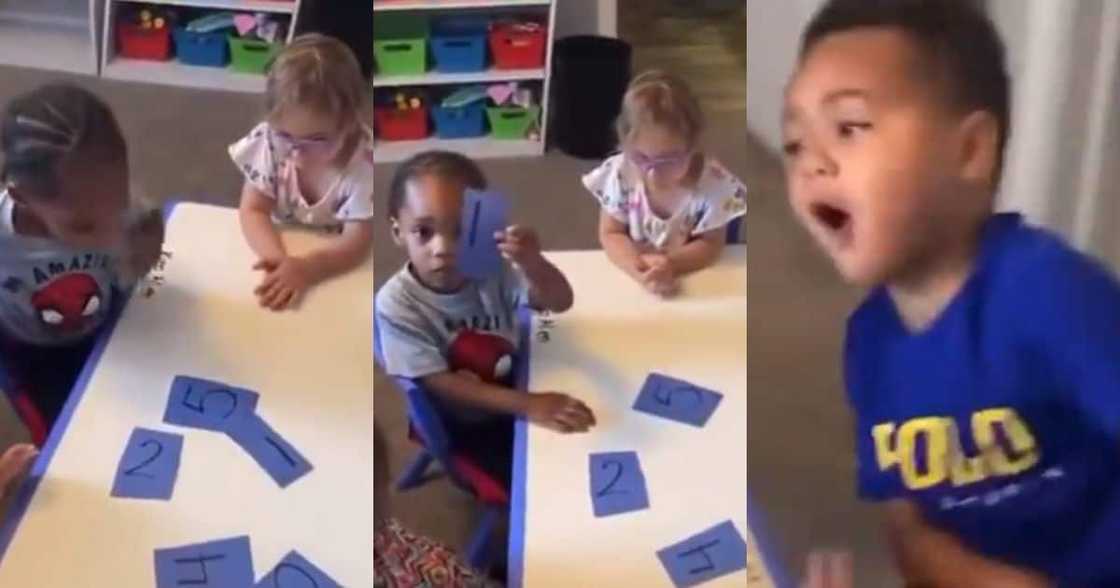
[[136, 42], [518, 45], [401, 125]]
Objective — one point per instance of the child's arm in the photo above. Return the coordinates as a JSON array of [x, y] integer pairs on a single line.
[[344, 253], [615, 238], [932, 558], [548, 288], [255, 213], [15, 462], [554, 410], [698, 253], [288, 279]]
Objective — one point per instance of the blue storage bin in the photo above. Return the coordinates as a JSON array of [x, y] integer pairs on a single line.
[[460, 123], [206, 49], [459, 43]]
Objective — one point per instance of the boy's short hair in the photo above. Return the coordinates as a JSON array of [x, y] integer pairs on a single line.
[[956, 38], [446, 164]]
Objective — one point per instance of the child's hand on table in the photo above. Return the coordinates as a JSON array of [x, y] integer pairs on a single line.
[[14, 465], [284, 283], [559, 412], [657, 274]]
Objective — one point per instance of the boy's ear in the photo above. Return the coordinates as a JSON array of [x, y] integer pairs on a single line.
[[395, 229], [16, 195], [979, 148]]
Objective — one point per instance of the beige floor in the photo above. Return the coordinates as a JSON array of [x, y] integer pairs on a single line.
[[799, 442]]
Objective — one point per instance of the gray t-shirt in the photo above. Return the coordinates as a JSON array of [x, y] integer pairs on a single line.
[[418, 326], [51, 295]]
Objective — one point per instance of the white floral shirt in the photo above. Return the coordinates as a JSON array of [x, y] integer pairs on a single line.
[[345, 195], [717, 199]]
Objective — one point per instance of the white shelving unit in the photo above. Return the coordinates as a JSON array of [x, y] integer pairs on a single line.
[[178, 74], [482, 147], [436, 78], [58, 35]]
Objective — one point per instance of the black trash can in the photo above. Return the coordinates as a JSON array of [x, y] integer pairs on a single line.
[[589, 79]]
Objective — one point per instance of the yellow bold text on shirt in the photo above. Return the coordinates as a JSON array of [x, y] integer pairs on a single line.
[[897, 447]]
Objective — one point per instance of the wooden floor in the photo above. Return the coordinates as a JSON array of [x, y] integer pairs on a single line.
[[703, 41]]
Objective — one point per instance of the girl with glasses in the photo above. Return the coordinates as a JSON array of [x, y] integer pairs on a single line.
[[665, 203], [309, 163]]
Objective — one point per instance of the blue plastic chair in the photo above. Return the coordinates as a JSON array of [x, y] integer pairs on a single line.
[[735, 231], [427, 424]]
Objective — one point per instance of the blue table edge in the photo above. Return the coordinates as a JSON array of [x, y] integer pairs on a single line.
[[27, 491], [516, 563]]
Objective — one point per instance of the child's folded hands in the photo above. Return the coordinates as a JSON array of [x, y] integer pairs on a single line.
[[284, 283], [559, 412], [657, 274]]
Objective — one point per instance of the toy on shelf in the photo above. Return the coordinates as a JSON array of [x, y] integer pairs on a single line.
[[402, 116], [255, 41], [148, 20], [145, 33], [514, 112]]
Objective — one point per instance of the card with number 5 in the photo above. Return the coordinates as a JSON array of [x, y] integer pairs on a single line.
[[677, 400]]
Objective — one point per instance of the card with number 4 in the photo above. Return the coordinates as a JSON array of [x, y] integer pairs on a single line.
[[484, 213], [677, 400], [707, 555]]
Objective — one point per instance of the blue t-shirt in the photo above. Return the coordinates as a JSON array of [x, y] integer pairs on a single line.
[[1001, 419]]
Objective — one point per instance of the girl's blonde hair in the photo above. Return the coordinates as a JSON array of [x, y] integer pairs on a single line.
[[659, 98], [318, 72]]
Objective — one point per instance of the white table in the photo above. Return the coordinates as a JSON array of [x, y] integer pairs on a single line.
[[601, 351], [314, 372]]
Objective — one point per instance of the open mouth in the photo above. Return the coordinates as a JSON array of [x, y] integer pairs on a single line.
[[836, 221]]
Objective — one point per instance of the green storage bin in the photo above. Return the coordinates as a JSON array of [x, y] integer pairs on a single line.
[[512, 122], [251, 55], [400, 44]]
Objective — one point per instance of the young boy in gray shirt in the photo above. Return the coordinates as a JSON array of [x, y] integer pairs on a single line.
[[457, 335]]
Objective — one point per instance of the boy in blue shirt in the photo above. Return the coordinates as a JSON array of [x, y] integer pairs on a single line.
[[984, 366]]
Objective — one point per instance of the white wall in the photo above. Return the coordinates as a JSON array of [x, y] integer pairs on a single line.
[[1061, 171], [773, 35], [1064, 58], [587, 17]]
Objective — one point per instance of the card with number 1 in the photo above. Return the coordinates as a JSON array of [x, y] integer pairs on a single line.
[[484, 213]]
